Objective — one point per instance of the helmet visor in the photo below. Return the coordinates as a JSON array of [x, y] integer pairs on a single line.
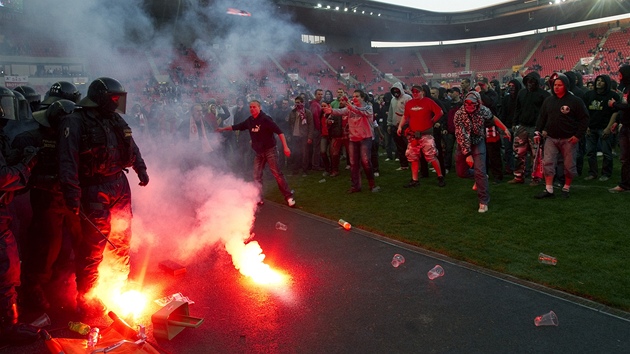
[[120, 99], [8, 107]]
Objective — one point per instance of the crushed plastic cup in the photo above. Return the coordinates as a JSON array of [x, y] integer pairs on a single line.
[[346, 225], [41, 321], [397, 260], [547, 259], [435, 272], [280, 226], [548, 319]]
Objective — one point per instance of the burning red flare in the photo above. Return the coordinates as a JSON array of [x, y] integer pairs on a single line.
[[248, 259]]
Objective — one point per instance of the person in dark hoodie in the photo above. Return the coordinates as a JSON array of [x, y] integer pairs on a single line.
[[526, 112], [506, 114], [574, 87], [563, 122], [600, 123], [624, 132]]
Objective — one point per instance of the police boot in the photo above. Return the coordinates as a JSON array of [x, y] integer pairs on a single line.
[[13, 332], [89, 307], [34, 297]]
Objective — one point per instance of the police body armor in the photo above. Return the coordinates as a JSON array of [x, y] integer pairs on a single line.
[[106, 146], [44, 175], [12, 157]]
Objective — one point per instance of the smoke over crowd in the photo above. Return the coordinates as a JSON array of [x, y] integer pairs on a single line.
[[187, 208]]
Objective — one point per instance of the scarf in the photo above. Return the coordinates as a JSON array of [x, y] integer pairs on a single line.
[[194, 135], [469, 127], [299, 109]]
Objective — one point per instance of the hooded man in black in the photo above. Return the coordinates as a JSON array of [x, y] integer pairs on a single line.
[[526, 112], [601, 120], [563, 122], [624, 132], [577, 90], [506, 114]]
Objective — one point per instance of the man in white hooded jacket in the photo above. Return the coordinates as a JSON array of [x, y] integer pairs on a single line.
[[395, 114]]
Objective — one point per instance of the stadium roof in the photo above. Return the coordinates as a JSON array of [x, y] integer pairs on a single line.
[[387, 22]]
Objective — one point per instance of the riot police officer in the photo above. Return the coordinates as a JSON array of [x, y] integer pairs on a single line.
[[95, 147], [34, 99], [12, 178], [51, 219], [29, 101], [61, 90]]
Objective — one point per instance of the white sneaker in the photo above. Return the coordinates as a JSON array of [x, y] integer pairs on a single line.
[[604, 178], [347, 167], [388, 159], [291, 201], [483, 208], [376, 174]]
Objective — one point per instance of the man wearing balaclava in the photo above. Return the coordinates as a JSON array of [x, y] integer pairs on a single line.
[[470, 133], [528, 102], [624, 132], [394, 115], [562, 123], [506, 114]]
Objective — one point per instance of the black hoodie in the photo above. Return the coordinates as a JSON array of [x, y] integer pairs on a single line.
[[573, 87], [528, 102], [508, 104], [597, 104], [563, 117]]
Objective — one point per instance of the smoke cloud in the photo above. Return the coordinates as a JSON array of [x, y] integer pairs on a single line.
[[187, 207]]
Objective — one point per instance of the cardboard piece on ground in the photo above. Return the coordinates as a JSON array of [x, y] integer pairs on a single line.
[[172, 319], [172, 268]]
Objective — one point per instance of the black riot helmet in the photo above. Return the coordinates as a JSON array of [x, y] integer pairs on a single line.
[[106, 94], [8, 105], [62, 90], [24, 109], [53, 114], [34, 99]]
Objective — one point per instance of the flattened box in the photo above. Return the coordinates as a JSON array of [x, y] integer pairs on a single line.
[[172, 319]]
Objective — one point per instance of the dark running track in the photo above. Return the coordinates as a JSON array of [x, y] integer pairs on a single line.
[[344, 296]]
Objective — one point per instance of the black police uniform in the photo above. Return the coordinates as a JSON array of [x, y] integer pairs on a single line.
[[95, 147], [12, 178], [50, 218]]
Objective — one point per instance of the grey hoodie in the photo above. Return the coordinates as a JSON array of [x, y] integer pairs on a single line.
[[397, 105]]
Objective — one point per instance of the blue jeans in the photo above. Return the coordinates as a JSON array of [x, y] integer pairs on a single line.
[[624, 156], [449, 145], [478, 172], [594, 137], [554, 148], [270, 156], [360, 152]]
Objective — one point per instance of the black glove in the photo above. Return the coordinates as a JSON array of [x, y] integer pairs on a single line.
[[143, 177], [29, 157], [73, 205]]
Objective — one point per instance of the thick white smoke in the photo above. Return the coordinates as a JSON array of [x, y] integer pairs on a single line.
[[186, 208]]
